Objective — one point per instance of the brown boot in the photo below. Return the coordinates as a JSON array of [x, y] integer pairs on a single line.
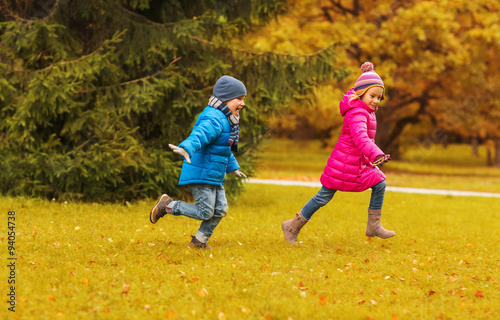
[[292, 227], [161, 208], [374, 227], [195, 243]]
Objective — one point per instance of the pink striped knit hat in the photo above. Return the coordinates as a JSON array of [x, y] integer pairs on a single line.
[[368, 79]]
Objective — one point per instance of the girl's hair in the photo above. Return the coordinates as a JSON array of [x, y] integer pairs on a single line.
[[353, 97]]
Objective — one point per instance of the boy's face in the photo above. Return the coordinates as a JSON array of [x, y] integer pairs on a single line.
[[235, 105], [372, 97]]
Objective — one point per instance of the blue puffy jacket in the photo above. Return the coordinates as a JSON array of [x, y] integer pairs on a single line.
[[209, 150]]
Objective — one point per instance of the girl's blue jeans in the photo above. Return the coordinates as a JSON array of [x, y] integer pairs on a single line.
[[210, 206], [324, 196]]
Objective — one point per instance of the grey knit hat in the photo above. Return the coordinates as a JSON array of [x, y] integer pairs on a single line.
[[228, 88]]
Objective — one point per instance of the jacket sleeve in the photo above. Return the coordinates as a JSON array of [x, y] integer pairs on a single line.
[[205, 132], [359, 132], [232, 164]]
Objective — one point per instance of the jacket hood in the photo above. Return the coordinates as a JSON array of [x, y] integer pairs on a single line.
[[346, 105]]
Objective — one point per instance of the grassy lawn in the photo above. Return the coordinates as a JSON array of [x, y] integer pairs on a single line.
[[95, 261], [104, 261], [452, 168]]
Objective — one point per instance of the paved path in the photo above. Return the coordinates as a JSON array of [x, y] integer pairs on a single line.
[[393, 189]]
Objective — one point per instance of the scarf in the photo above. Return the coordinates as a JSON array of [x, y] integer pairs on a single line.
[[233, 121]]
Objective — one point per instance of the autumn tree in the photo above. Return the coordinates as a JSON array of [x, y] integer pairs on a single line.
[[437, 59], [92, 91]]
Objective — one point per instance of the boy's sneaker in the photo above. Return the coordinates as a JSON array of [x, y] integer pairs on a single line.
[[195, 243], [160, 209]]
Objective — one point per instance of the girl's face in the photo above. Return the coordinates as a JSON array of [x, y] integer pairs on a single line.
[[235, 105], [372, 97]]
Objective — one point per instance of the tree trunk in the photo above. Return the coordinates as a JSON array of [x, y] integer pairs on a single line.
[[497, 152], [489, 160], [475, 146], [389, 130]]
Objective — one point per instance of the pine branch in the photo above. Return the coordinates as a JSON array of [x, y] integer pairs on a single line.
[[149, 23], [128, 82], [115, 38], [251, 53], [51, 14]]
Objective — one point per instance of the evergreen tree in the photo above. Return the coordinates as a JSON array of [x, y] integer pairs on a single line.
[[92, 91]]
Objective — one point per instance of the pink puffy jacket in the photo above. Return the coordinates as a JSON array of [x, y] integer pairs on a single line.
[[349, 166]]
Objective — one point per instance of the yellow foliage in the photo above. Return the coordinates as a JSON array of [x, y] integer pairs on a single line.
[[434, 53]]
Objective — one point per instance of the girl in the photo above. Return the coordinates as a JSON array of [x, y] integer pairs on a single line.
[[352, 166]]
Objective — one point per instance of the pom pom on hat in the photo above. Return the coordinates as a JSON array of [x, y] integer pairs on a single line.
[[367, 66], [368, 79]]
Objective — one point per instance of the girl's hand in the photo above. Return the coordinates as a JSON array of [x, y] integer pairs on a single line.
[[239, 173], [381, 159], [180, 151]]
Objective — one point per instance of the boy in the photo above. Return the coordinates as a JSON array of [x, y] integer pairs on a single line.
[[207, 154]]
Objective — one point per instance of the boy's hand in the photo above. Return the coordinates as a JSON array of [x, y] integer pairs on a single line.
[[239, 173], [180, 151], [381, 158]]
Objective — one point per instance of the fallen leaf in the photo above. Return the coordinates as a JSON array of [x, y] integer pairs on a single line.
[[196, 279], [85, 281], [322, 300], [453, 277], [479, 294], [126, 289], [202, 292], [339, 251], [302, 286], [51, 298], [361, 301], [373, 302], [431, 292], [245, 310]]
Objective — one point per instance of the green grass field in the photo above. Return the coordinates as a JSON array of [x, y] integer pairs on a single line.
[[103, 261]]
